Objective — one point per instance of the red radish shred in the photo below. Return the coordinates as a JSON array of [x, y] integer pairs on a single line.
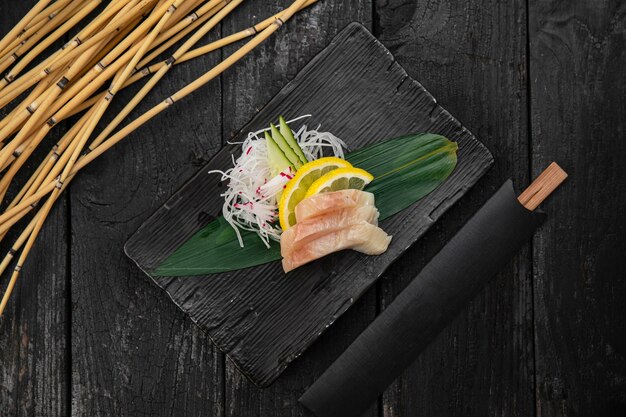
[[252, 195]]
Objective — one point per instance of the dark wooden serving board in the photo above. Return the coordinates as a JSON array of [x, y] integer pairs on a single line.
[[259, 317]]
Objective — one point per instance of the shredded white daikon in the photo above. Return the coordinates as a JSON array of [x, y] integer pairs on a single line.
[[252, 193]]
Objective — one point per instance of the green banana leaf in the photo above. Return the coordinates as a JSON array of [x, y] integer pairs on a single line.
[[405, 169]]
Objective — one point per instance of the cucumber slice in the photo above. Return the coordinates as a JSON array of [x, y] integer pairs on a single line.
[[277, 158], [284, 146], [287, 133]]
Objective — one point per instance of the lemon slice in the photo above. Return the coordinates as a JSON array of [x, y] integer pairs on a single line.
[[340, 179], [296, 188]]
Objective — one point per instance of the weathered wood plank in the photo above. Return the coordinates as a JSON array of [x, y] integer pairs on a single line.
[[471, 56], [33, 331], [133, 352], [246, 89], [578, 102]]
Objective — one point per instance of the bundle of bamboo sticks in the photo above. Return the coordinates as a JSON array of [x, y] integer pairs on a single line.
[[113, 48]]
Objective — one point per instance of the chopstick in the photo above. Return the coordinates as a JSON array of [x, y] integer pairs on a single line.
[[542, 186]]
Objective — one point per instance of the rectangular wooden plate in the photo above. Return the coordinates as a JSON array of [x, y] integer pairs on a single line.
[[259, 317]]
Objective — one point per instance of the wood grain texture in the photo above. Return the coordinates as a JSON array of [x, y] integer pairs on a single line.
[[133, 352], [578, 119], [246, 89], [33, 330], [471, 56], [543, 186], [259, 317]]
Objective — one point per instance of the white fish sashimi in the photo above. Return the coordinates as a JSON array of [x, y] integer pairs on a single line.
[[363, 237], [319, 204], [314, 227]]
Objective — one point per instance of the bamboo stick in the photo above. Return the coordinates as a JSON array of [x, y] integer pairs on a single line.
[[90, 102], [17, 245], [19, 161], [236, 36], [29, 244], [13, 33], [37, 23], [24, 153], [182, 12], [184, 27], [44, 173], [28, 106], [59, 20], [23, 115], [17, 42], [61, 57], [32, 28], [9, 256], [35, 114], [143, 28], [26, 233], [45, 14], [59, 155], [29, 100]]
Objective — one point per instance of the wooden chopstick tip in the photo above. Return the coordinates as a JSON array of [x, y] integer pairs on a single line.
[[544, 185]]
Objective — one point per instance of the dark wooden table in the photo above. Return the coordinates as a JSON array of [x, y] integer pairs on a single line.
[[86, 333]]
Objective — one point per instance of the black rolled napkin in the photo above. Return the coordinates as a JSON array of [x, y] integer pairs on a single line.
[[450, 280]]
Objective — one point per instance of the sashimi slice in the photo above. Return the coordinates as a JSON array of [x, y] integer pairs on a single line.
[[363, 237], [312, 228], [319, 204]]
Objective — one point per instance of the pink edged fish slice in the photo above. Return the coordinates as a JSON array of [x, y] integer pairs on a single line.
[[362, 237]]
